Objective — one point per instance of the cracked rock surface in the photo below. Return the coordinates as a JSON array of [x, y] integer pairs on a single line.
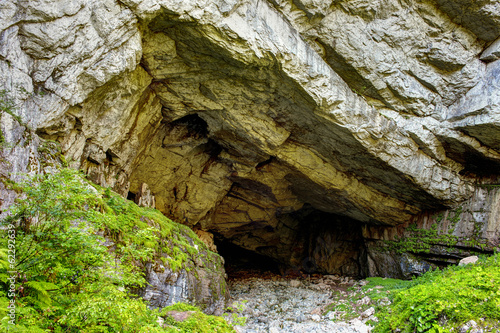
[[283, 126]]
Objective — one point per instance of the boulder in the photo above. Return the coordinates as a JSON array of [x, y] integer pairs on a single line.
[[468, 260]]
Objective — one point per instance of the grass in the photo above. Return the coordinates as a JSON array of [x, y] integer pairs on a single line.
[[197, 322], [443, 300], [379, 288], [439, 301]]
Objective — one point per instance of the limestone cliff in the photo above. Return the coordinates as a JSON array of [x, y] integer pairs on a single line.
[[309, 131]]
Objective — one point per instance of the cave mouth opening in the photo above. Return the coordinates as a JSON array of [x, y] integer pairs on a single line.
[[240, 262], [311, 243]]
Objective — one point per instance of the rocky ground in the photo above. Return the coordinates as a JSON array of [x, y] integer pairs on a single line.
[[273, 303]]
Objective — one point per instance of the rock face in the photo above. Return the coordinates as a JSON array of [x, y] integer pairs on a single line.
[[308, 131], [200, 280]]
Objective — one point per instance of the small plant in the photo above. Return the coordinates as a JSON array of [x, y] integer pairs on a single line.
[[7, 106], [234, 313], [196, 321]]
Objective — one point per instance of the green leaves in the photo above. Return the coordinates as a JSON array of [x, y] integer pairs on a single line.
[[441, 300], [196, 322], [40, 290], [108, 310], [79, 252]]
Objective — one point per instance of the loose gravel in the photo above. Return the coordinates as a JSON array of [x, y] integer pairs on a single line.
[[284, 305]]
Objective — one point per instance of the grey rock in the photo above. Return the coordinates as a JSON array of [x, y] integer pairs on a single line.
[[199, 281], [315, 317], [471, 326], [300, 318], [468, 260], [288, 318], [481, 17], [364, 301], [368, 313], [491, 53]]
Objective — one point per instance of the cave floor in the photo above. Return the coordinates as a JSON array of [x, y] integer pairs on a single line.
[[272, 302]]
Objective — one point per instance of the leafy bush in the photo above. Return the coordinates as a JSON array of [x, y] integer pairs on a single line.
[[442, 300], [67, 279]]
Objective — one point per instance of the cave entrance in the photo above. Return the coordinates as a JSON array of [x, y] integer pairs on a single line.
[[306, 242], [240, 262]]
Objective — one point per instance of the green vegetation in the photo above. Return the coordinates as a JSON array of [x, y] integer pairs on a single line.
[[378, 287], [441, 300], [7, 106], [420, 240], [234, 315], [51, 154], [489, 187], [79, 251], [456, 217], [197, 322], [345, 310]]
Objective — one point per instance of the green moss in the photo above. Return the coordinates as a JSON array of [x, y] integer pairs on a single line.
[[456, 218], [420, 240], [379, 287], [179, 242], [50, 152], [489, 186], [439, 217]]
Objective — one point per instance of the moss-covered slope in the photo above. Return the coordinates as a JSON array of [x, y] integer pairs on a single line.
[[83, 254]]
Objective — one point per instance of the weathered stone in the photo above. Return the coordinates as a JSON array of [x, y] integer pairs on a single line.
[[470, 326], [468, 260], [492, 52], [471, 228], [477, 113], [417, 74], [367, 313], [144, 198], [481, 17], [200, 280], [207, 238], [290, 128], [364, 301]]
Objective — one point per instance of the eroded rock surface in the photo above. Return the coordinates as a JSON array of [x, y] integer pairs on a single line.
[[200, 280], [287, 127]]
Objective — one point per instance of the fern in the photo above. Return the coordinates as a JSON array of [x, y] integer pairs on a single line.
[[41, 290]]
